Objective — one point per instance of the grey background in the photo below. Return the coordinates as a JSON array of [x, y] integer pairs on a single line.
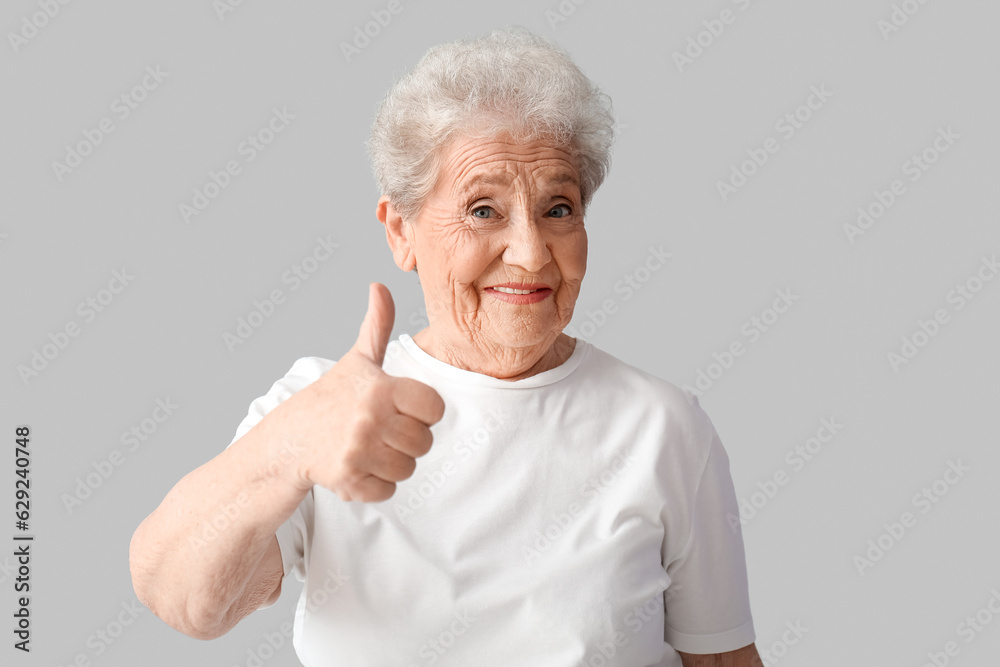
[[681, 132]]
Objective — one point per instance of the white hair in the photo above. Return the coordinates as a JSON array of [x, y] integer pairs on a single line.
[[510, 83]]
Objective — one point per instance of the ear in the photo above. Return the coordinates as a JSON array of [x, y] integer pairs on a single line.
[[398, 234]]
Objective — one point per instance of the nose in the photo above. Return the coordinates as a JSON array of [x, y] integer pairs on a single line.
[[526, 245]]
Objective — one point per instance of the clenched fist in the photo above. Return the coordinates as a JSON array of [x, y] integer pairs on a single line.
[[359, 430]]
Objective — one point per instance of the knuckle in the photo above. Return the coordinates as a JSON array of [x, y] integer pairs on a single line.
[[352, 465], [353, 488], [362, 428], [376, 387]]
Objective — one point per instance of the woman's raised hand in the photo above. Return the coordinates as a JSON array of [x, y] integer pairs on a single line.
[[357, 431]]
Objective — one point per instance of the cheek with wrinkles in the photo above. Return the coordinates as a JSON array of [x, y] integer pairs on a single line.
[[451, 297]]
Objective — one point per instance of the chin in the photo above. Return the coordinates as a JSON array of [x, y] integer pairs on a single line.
[[514, 336]]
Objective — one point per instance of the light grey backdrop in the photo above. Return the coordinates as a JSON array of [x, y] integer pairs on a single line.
[[807, 110]]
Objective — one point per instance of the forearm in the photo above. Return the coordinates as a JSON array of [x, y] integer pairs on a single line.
[[194, 557]]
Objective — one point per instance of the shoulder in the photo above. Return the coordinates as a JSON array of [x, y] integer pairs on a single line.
[[668, 419], [304, 371], [308, 369], [638, 386]]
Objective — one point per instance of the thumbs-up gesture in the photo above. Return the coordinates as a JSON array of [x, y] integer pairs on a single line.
[[357, 429]]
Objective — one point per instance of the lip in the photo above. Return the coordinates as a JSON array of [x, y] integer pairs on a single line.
[[542, 293], [522, 286]]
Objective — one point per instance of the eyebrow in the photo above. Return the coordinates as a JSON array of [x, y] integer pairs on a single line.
[[485, 179], [563, 177]]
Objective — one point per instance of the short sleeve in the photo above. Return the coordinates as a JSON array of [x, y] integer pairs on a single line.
[[708, 603], [292, 534]]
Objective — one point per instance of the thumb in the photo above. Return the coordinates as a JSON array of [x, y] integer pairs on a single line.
[[377, 325]]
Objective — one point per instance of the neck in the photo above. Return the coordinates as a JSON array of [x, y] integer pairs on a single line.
[[501, 362]]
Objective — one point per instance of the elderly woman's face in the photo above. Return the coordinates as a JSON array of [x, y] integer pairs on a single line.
[[500, 245]]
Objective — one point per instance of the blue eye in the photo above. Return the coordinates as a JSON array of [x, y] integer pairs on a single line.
[[483, 212], [564, 211]]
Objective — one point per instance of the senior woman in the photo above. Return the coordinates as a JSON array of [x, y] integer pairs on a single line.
[[566, 509]]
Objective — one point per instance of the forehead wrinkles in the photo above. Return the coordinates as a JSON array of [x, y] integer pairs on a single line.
[[496, 164]]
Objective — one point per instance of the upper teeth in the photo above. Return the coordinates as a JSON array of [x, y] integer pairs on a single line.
[[510, 290]]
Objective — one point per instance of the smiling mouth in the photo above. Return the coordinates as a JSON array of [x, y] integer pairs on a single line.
[[511, 290], [520, 294]]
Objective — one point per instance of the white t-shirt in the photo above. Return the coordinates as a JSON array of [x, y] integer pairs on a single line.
[[553, 520]]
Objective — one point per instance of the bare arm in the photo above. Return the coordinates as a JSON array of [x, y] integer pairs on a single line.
[[207, 556], [744, 657]]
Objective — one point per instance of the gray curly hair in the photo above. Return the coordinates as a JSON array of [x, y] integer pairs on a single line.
[[509, 83]]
